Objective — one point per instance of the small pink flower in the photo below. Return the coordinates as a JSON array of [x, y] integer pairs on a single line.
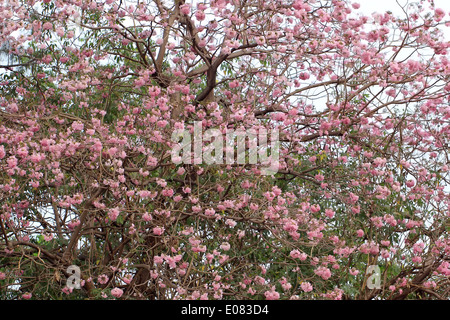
[[158, 259], [27, 295], [329, 213], [12, 162], [127, 279], [272, 295], [323, 272], [385, 243], [306, 286], [158, 231], [298, 255], [103, 279], [67, 290], [295, 254], [304, 76], [185, 9], [113, 214], [147, 217], [353, 272], [200, 15], [154, 91], [230, 222], [186, 189], [116, 292], [47, 26], [167, 192], [77, 126], [410, 183]]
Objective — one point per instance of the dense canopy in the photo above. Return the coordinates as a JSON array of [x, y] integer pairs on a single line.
[[92, 91]]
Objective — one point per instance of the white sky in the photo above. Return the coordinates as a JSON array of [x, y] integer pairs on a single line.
[[381, 6]]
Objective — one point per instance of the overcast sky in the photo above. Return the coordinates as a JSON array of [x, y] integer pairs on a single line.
[[370, 6]]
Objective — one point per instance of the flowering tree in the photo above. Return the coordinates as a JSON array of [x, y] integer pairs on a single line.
[[93, 91]]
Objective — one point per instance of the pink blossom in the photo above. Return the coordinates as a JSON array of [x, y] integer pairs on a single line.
[[67, 290], [304, 76], [353, 197], [225, 246], [185, 9], [223, 258], [329, 213], [410, 183], [77, 126], [116, 292], [230, 222], [27, 296], [113, 214], [186, 189], [323, 272], [154, 91], [103, 279], [167, 192], [272, 295], [158, 259], [353, 272], [385, 242], [47, 26], [295, 254], [306, 286], [439, 14], [416, 259], [12, 162], [200, 15], [418, 247], [147, 217]]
